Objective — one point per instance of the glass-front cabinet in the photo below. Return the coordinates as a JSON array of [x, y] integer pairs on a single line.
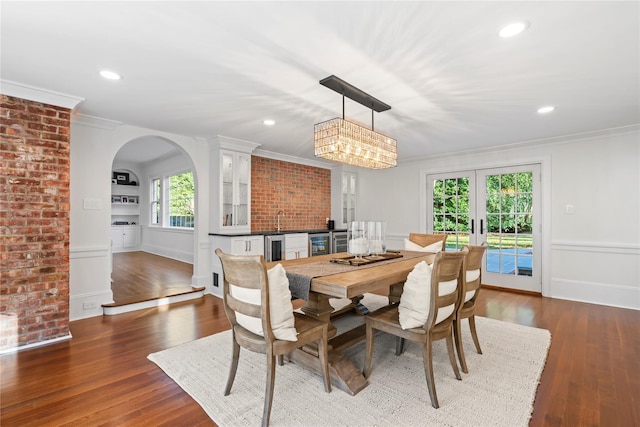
[[348, 197], [236, 190], [231, 202]]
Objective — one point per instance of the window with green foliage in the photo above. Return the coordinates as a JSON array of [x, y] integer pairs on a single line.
[[451, 210], [181, 206], [176, 209]]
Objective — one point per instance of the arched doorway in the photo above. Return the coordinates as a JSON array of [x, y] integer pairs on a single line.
[[152, 246]]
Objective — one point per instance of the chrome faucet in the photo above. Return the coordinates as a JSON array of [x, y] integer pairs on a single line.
[[278, 225]]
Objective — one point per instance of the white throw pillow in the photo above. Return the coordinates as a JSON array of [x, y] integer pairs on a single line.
[[416, 297], [410, 246], [281, 309], [414, 301]]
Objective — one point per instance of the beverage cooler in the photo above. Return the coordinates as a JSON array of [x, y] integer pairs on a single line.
[[339, 243], [319, 244]]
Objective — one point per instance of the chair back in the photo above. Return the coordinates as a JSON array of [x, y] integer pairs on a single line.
[[246, 292], [472, 274], [428, 239], [446, 285]]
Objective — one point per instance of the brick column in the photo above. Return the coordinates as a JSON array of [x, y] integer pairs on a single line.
[[34, 222]]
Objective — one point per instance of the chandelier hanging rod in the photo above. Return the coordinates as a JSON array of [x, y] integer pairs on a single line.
[[353, 93]]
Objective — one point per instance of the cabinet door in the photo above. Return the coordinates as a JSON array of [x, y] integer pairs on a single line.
[[130, 237], [235, 182], [255, 245], [116, 239], [243, 189], [239, 246]]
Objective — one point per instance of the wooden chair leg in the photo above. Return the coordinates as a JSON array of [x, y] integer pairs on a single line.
[[399, 346], [324, 359], [268, 394], [427, 360], [457, 335], [369, 350], [234, 367], [452, 355], [474, 334]]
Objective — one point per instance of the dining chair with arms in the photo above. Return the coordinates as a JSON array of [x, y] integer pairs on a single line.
[[472, 279], [428, 239], [248, 306], [443, 287]]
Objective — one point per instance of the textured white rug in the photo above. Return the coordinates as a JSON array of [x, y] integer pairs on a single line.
[[499, 389]]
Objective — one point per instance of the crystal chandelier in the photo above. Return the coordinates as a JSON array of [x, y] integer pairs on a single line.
[[347, 142]]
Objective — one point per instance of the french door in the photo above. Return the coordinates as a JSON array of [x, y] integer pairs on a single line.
[[498, 208]]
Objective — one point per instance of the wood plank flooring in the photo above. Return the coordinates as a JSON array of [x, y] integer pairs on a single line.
[[141, 276], [102, 376]]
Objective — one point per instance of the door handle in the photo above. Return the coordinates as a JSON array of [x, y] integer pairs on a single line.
[[481, 226], [472, 226]]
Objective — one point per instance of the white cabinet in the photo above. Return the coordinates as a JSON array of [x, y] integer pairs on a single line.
[[250, 245], [296, 245], [235, 245], [231, 206], [125, 238], [348, 197], [236, 190]]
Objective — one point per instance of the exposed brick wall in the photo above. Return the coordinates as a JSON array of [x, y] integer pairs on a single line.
[[34, 222], [302, 192]]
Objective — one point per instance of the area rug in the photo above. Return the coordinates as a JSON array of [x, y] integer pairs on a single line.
[[499, 389]]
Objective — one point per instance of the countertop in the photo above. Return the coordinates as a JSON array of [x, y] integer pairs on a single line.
[[276, 233]]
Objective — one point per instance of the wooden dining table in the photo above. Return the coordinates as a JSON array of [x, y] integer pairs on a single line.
[[351, 284]]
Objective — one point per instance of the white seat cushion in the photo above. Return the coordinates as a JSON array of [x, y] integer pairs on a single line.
[[410, 246], [281, 309]]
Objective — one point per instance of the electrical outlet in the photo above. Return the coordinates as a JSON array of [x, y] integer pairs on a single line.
[[89, 305]]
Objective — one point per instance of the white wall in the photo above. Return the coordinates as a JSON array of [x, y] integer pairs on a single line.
[[93, 148], [168, 242], [592, 255]]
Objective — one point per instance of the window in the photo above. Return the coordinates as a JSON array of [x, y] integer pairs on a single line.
[[156, 201], [181, 208], [177, 208]]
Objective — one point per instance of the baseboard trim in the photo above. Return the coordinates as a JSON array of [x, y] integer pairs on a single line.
[[113, 310], [512, 290], [620, 296], [35, 344]]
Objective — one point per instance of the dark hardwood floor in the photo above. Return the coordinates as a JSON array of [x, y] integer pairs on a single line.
[[141, 276], [102, 376]]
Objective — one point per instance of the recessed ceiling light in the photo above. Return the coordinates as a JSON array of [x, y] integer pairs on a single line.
[[513, 29], [268, 122], [110, 75], [545, 110]]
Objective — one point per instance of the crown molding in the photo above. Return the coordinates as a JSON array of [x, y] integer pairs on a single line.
[[36, 94], [293, 159], [94, 122]]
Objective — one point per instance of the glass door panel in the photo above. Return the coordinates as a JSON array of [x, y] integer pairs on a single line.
[[508, 206], [449, 209]]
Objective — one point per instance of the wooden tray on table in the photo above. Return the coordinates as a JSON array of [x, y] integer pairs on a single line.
[[368, 259]]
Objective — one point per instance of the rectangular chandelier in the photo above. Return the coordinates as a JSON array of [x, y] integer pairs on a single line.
[[350, 143], [347, 142]]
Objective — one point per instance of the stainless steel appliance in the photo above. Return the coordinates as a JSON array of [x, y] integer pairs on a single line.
[[338, 241], [274, 249], [319, 244]]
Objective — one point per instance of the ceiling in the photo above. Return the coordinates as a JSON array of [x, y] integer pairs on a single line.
[[220, 68]]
